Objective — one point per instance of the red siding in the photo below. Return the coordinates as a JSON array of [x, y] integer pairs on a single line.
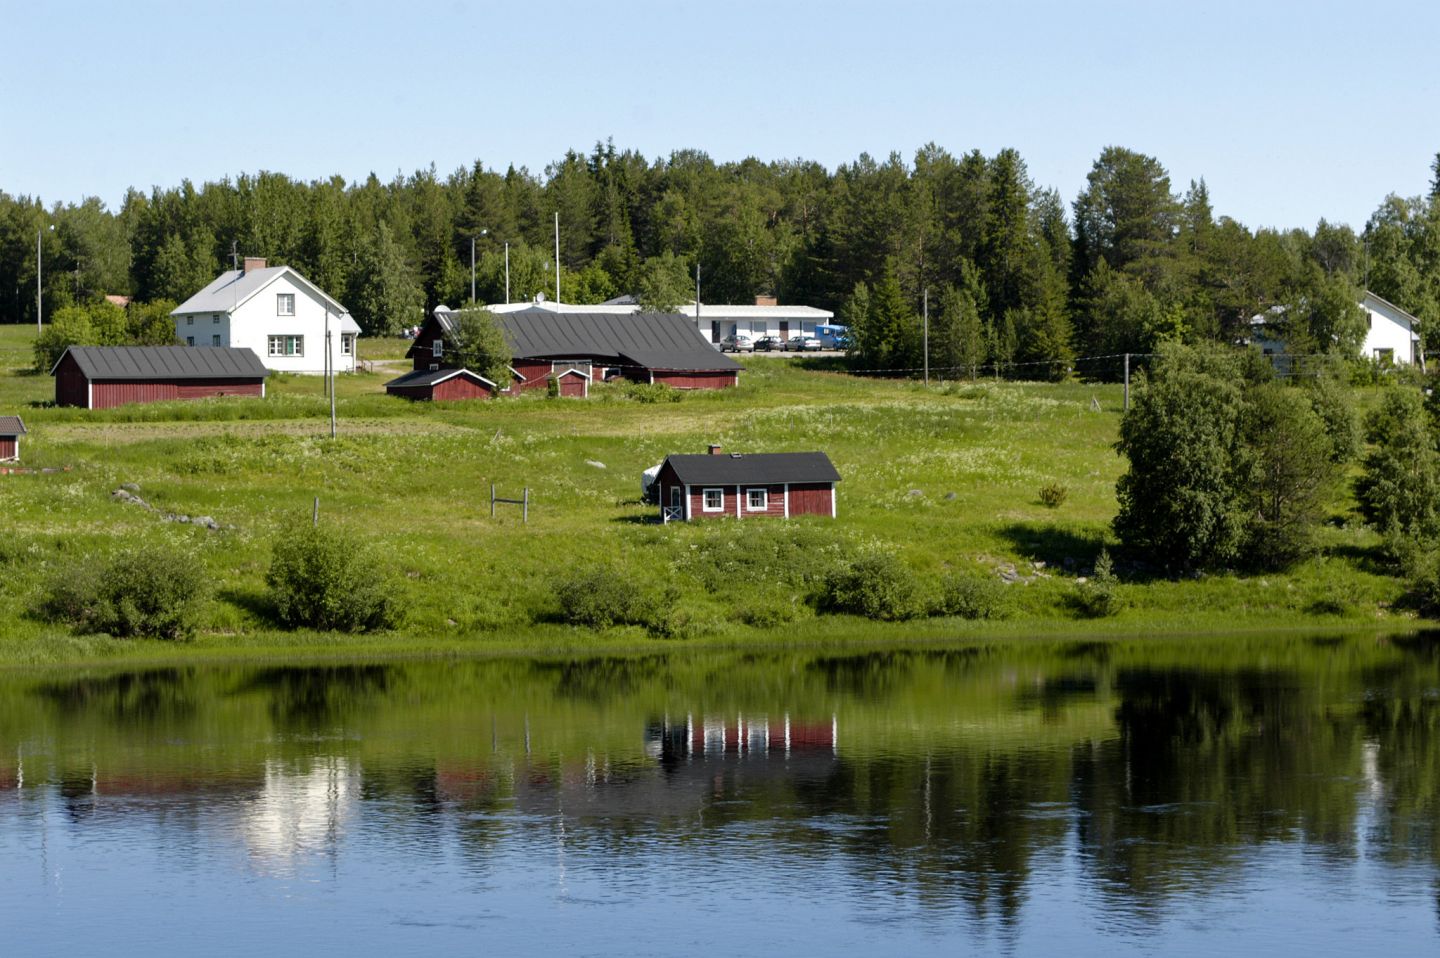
[[71, 384], [7, 448], [533, 372], [697, 380], [424, 356], [811, 498], [460, 388], [574, 387]]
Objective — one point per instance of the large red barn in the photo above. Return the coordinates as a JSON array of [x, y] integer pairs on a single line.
[[579, 348], [746, 485], [100, 377]]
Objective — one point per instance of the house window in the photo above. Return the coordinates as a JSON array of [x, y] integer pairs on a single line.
[[215, 340], [284, 304], [286, 345], [676, 496], [189, 320], [189, 340], [756, 500], [714, 500], [437, 347], [434, 366], [759, 328], [215, 319], [347, 344], [565, 365]]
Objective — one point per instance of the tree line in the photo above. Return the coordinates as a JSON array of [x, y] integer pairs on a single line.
[[1012, 273]]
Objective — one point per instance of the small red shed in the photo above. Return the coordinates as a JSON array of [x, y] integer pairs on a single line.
[[442, 385], [99, 377], [746, 485], [11, 429]]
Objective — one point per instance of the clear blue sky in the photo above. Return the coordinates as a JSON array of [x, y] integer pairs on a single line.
[[1291, 111]]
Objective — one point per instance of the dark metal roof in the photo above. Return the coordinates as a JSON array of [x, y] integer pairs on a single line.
[[166, 362], [667, 341], [432, 377], [11, 426], [728, 469]]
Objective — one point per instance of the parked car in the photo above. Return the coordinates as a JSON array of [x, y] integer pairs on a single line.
[[737, 343], [766, 343], [800, 344]]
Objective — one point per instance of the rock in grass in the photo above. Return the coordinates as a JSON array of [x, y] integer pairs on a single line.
[[592, 462], [915, 492], [951, 496]]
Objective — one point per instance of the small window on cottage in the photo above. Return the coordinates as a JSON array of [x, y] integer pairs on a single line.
[[437, 347], [215, 318], [215, 340], [189, 320], [434, 366], [756, 500], [347, 344], [189, 340], [714, 500], [675, 497], [285, 345], [284, 304]]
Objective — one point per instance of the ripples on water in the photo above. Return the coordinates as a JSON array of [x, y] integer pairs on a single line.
[[1125, 799]]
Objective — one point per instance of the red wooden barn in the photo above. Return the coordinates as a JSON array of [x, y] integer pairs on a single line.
[[441, 384], [11, 429], [746, 485], [99, 377], [580, 348]]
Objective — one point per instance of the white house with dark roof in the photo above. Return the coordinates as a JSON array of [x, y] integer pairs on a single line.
[[715, 321], [274, 311], [1391, 334]]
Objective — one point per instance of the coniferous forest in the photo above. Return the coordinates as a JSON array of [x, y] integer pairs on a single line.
[[1018, 278]]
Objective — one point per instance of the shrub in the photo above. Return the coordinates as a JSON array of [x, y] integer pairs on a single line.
[[973, 597], [320, 579], [552, 387], [1291, 467], [1331, 402], [1423, 582], [1401, 481], [650, 393], [600, 597], [147, 592], [766, 615], [1100, 596], [876, 587], [1053, 494]]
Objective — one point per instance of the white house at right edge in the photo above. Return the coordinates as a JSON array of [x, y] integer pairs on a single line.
[[1391, 334]]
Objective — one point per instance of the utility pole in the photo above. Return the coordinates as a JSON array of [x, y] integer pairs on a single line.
[[472, 270], [39, 303], [697, 296], [234, 254], [557, 259], [1127, 382], [507, 273], [925, 311]]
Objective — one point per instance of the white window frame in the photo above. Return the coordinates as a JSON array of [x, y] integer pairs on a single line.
[[283, 300], [347, 344], [437, 347], [750, 505], [434, 367], [705, 499], [278, 345]]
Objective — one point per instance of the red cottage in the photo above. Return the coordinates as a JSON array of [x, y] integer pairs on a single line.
[[442, 385], [580, 348], [99, 377], [746, 485], [11, 429]]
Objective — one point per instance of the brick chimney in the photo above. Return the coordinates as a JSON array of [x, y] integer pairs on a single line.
[[715, 449], [766, 301], [254, 263]]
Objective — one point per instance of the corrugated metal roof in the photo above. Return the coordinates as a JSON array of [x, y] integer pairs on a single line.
[[12, 426], [728, 469], [667, 341], [166, 362], [432, 377]]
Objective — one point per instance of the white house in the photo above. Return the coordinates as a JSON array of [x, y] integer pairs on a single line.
[[273, 310], [1391, 335], [764, 317]]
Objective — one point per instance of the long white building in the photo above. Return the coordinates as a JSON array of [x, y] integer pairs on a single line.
[[273, 310], [715, 321]]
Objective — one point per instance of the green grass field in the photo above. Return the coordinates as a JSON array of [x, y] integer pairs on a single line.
[[946, 476]]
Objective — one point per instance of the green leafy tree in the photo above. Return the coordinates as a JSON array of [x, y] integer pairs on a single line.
[[150, 324], [1400, 486], [664, 284], [479, 345], [384, 297], [957, 335], [1292, 466], [320, 579]]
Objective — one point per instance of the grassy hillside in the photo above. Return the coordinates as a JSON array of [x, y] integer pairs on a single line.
[[947, 476]]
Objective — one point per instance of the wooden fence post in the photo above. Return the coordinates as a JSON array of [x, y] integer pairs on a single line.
[[315, 514]]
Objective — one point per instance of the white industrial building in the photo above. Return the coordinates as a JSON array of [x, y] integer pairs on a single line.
[[765, 317], [274, 311]]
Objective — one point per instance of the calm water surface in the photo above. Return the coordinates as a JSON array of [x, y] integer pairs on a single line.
[[1276, 796]]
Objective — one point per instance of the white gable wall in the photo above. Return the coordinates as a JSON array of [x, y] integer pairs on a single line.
[[253, 322], [1389, 334]]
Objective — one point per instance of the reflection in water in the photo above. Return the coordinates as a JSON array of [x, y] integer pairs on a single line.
[[995, 792]]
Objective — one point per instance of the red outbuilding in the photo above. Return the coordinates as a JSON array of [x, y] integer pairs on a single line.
[[11, 429], [577, 349], [442, 385], [746, 485], [99, 377]]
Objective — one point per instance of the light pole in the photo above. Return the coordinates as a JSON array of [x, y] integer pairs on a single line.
[[472, 265], [39, 266], [507, 273]]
